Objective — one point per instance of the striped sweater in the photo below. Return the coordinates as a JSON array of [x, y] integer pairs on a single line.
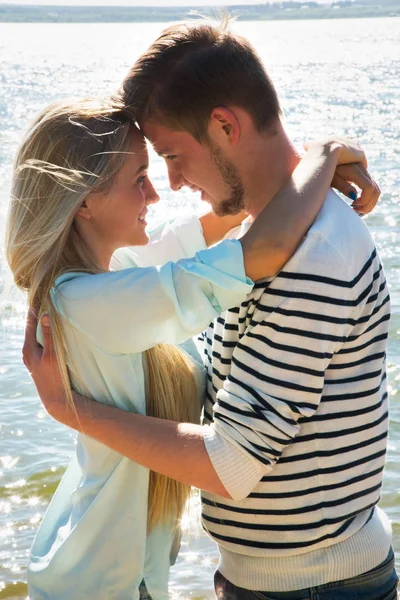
[[297, 410]]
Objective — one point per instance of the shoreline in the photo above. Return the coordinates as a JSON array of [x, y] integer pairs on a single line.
[[12, 13]]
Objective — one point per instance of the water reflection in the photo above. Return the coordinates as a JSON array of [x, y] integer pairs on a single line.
[[353, 89]]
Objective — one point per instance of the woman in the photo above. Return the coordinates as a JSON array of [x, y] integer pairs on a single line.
[[80, 192]]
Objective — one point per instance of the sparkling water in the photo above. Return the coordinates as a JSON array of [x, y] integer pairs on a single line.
[[338, 76]]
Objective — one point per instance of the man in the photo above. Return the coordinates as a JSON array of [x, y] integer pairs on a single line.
[[291, 453]]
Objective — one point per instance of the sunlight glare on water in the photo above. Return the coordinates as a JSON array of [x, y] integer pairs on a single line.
[[338, 76]]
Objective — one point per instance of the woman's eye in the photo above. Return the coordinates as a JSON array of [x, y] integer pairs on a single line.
[[141, 179]]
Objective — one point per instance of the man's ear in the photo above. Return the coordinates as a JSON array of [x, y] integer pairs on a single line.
[[84, 210], [224, 126]]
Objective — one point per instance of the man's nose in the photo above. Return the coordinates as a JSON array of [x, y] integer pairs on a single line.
[[176, 179]]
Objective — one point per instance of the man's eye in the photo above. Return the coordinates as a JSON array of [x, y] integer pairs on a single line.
[[171, 157]]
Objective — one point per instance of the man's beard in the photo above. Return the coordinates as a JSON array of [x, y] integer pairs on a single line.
[[235, 203]]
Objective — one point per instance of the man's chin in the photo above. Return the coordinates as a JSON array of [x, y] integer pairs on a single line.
[[221, 208], [225, 209], [206, 197], [211, 201]]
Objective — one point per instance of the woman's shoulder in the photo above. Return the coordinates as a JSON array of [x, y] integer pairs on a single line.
[[65, 278], [75, 293], [79, 285]]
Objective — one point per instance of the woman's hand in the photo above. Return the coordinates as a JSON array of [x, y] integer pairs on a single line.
[[351, 171], [348, 174]]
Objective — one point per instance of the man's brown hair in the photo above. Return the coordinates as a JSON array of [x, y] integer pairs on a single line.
[[194, 67]]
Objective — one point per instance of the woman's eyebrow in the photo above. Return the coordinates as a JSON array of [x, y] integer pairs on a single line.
[[140, 169]]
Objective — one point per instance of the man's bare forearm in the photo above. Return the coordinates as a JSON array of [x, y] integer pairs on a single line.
[[176, 450]]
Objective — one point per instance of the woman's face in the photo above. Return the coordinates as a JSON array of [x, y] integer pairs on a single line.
[[118, 216]]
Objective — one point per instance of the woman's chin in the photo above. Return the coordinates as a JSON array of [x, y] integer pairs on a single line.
[[137, 238], [141, 240]]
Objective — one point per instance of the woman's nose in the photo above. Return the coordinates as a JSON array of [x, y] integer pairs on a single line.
[[151, 195]]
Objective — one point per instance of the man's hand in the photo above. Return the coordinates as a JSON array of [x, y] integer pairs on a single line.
[[43, 365], [153, 443], [351, 171]]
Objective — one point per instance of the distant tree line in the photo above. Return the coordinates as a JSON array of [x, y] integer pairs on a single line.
[[266, 11]]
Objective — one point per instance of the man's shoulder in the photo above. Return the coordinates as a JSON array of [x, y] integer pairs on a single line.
[[340, 227], [338, 244]]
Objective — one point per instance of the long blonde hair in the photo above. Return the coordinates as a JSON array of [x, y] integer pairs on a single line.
[[72, 150]]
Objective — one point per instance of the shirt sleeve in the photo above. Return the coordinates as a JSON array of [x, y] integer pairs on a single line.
[[132, 310], [171, 241], [277, 377]]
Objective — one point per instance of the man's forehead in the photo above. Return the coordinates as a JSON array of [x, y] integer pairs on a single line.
[[162, 139]]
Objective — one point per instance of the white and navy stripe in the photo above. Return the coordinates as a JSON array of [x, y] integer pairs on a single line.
[[297, 382]]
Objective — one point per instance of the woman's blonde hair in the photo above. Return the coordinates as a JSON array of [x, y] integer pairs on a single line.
[[72, 150]]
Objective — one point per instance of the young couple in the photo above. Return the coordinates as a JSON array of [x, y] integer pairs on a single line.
[[292, 379]]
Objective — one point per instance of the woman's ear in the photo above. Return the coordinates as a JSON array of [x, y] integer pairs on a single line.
[[84, 210]]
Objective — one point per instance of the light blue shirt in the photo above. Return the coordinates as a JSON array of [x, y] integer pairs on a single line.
[[93, 542]]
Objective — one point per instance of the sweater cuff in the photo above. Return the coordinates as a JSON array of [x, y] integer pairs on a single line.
[[237, 470]]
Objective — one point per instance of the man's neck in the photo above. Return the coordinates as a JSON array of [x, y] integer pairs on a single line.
[[271, 162]]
